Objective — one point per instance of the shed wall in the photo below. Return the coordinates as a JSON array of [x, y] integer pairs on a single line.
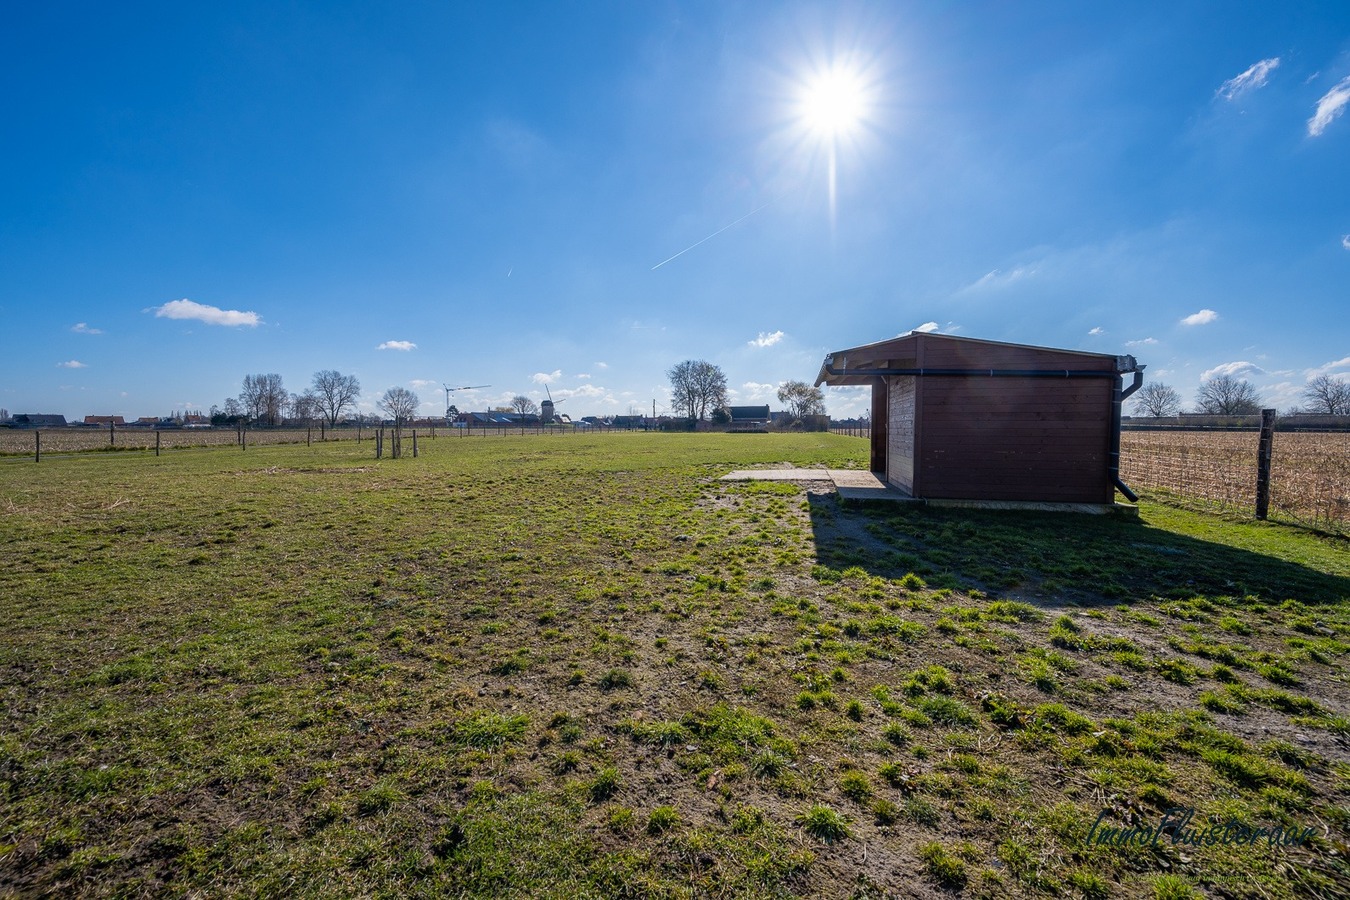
[[1012, 438]]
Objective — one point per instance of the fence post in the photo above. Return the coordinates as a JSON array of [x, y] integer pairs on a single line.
[[37, 446], [157, 443], [1263, 454], [414, 443], [111, 433]]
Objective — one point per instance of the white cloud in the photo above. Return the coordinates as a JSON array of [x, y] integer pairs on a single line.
[[1203, 317], [72, 364], [546, 377], [1144, 343], [1249, 80], [757, 390], [1328, 368], [1330, 107], [767, 339], [602, 365], [1098, 330], [1345, 241], [82, 328], [423, 383], [201, 312], [997, 278], [1234, 369], [404, 346], [583, 375], [926, 327]]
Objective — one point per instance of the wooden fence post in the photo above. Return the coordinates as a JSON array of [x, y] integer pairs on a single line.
[[37, 446], [1263, 454], [414, 443], [157, 443], [111, 435]]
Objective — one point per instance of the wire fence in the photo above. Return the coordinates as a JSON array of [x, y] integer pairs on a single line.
[[39, 443], [1309, 472]]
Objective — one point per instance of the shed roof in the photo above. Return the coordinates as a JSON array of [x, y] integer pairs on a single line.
[[859, 365]]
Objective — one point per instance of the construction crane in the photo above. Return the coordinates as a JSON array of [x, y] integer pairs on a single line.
[[449, 390]]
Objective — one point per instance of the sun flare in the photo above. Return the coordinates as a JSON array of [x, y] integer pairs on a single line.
[[833, 103]]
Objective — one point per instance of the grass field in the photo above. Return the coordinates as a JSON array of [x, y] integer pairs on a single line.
[[586, 668]]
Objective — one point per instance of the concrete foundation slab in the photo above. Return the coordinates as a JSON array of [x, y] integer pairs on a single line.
[[860, 486]]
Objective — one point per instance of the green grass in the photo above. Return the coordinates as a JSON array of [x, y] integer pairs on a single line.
[[582, 666]]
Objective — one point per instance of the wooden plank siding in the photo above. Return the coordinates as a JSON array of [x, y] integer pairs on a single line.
[[1014, 438], [902, 392]]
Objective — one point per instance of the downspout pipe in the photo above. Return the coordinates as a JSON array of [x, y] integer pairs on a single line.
[[1118, 396]]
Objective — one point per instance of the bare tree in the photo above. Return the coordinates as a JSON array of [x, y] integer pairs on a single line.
[[802, 399], [1328, 395], [1225, 395], [401, 404], [696, 387], [305, 407], [1157, 399], [524, 405], [263, 398], [336, 393]]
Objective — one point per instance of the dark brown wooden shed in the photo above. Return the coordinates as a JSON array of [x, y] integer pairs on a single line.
[[956, 418]]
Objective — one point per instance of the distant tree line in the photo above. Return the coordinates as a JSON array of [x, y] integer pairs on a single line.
[[699, 391], [1225, 395], [264, 400]]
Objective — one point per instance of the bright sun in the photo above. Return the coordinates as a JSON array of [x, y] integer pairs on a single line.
[[833, 103]]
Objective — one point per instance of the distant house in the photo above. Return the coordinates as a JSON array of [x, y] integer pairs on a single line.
[[956, 418], [196, 420], [45, 420], [748, 416], [498, 419], [104, 420]]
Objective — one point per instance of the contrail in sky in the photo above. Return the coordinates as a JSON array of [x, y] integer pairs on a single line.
[[711, 236]]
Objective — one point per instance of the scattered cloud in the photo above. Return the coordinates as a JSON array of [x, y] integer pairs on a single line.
[[404, 346], [583, 375], [82, 328], [1345, 241], [998, 279], [602, 365], [1330, 107], [1328, 368], [926, 327], [1098, 330], [202, 312], [1250, 80], [758, 390], [546, 377], [1238, 369], [1148, 341], [72, 364], [424, 383], [1203, 317], [767, 339]]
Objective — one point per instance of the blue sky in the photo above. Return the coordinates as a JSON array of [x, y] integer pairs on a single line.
[[585, 194]]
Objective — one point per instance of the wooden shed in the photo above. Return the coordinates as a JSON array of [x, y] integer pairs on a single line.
[[956, 418]]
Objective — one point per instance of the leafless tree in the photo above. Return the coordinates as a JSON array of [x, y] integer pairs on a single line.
[[524, 405], [1328, 395], [1156, 399], [1225, 395], [401, 404], [263, 398], [697, 387], [802, 399], [336, 393], [305, 407]]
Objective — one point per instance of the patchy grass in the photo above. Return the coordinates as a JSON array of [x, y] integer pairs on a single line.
[[582, 666]]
